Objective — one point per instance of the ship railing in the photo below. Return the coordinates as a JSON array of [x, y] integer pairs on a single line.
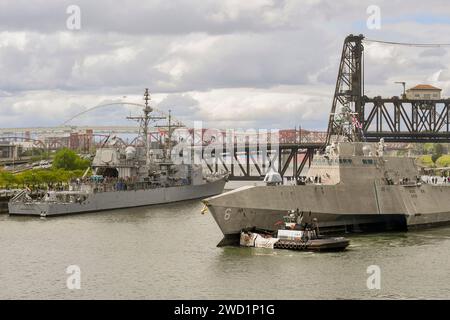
[[122, 186], [9, 193], [18, 195]]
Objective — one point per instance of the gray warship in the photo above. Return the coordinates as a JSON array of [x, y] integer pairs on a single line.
[[350, 187], [125, 176]]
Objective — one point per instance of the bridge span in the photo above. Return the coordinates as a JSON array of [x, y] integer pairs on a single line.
[[68, 130]]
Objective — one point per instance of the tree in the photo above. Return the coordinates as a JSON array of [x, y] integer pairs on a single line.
[[443, 161], [68, 160], [426, 160], [427, 147], [438, 150], [6, 178], [82, 164]]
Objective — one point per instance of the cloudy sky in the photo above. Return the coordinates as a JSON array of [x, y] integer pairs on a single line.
[[229, 63]]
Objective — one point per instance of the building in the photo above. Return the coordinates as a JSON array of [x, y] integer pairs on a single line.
[[25, 145], [9, 151], [423, 92]]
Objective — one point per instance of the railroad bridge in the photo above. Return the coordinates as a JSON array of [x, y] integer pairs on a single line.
[[251, 162], [395, 119]]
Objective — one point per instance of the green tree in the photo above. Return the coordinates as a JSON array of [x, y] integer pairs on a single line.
[[426, 160], [82, 164], [68, 160], [65, 159], [443, 161], [427, 147], [438, 150], [6, 178], [43, 177]]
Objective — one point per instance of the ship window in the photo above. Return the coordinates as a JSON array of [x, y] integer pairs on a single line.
[[108, 172]]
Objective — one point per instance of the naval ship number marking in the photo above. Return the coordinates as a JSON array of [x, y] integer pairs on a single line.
[[227, 214]]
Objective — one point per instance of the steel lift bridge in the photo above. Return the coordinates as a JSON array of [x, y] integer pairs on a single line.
[[396, 119]]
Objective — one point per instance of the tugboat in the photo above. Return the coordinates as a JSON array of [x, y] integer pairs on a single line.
[[125, 176], [296, 235]]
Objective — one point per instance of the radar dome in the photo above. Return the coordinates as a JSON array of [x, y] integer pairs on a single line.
[[273, 177], [366, 150], [130, 153]]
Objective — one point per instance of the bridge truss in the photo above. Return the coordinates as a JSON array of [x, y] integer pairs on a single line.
[[395, 119]]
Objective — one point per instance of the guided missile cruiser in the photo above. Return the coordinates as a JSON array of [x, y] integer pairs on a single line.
[[125, 176]]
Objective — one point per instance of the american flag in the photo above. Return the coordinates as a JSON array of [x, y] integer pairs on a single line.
[[162, 132], [356, 123]]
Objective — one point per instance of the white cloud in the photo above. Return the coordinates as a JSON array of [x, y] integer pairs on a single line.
[[230, 63]]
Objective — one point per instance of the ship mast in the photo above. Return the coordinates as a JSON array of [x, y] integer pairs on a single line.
[[170, 134], [147, 110], [144, 124], [170, 127]]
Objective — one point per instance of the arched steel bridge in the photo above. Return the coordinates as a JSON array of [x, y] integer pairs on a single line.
[[67, 128], [155, 110]]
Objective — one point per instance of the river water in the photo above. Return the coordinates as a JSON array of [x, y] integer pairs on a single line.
[[169, 252]]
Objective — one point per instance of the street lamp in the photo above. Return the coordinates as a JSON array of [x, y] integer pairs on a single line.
[[404, 88]]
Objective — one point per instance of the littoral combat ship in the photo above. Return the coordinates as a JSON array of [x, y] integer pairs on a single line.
[[350, 187], [125, 176]]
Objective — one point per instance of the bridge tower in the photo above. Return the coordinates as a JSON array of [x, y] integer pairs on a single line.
[[349, 90]]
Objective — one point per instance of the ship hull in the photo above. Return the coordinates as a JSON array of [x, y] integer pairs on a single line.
[[338, 208], [118, 200]]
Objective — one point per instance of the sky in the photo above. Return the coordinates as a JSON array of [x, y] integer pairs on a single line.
[[229, 63]]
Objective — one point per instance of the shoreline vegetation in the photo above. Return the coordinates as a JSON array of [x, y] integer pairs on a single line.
[[441, 162], [67, 165], [435, 155]]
